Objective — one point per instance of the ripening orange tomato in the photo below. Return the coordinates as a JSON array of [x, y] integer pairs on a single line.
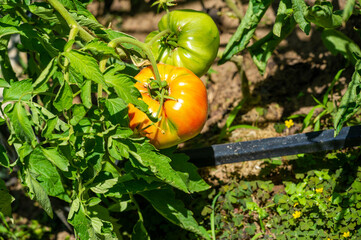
[[183, 112]]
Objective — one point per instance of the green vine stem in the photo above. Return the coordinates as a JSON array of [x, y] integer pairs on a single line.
[[70, 20], [144, 47], [232, 5], [158, 36], [137, 207], [72, 34], [102, 67]]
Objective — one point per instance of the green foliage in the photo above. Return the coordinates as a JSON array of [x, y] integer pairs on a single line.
[[240, 39], [311, 204], [68, 124], [351, 100], [322, 15], [327, 108], [339, 43], [289, 14]]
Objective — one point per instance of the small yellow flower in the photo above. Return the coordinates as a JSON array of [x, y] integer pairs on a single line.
[[319, 190], [330, 199], [329, 239], [294, 205], [297, 214], [289, 123], [346, 234]]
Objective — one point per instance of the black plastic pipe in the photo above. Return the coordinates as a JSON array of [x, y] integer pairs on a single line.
[[275, 147]]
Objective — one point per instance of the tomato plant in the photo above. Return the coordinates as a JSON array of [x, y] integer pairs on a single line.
[[67, 124], [186, 38], [182, 109]]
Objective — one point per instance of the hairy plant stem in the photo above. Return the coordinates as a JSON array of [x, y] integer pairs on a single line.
[[72, 34], [144, 47], [70, 20], [137, 206], [102, 67], [158, 36]]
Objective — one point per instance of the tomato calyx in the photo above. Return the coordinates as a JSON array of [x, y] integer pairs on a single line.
[[170, 40], [159, 91]]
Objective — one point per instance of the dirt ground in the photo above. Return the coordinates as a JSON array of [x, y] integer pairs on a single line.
[[301, 67]]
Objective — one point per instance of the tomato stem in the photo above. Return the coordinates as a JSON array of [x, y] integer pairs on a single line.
[[102, 67], [70, 20], [113, 43], [131, 196], [161, 101], [158, 36], [72, 34]]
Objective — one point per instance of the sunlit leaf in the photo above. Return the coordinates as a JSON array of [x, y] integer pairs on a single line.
[[240, 39]]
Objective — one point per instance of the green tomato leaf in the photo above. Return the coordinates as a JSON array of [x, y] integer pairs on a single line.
[[64, 98], [124, 86], [46, 74], [117, 110], [322, 15], [80, 221], [6, 29], [5, 199], [55, 157], [4, 83], [49, 127], [93, 201], [117, 149], [103, 187], [85, 21], [85, 65], [262, 50], [21, 124], [159, 164], [104, 224], [42, 168], [85, 94], [133, 186], [299, 7], [78, 113], [240, 39], [284, 12], [350, 101], [98, 47], [115, 105], [74, 208], [139, 231], [7, 70], [43, 11], [75, 76], [188, 172], [164, 201], [20, 90], [38, 193], [337, 42]]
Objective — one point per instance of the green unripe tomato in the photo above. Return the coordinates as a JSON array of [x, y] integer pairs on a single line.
[[192, 41]]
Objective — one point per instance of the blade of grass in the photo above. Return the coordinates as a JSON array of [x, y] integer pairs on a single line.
[[213, 229]]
